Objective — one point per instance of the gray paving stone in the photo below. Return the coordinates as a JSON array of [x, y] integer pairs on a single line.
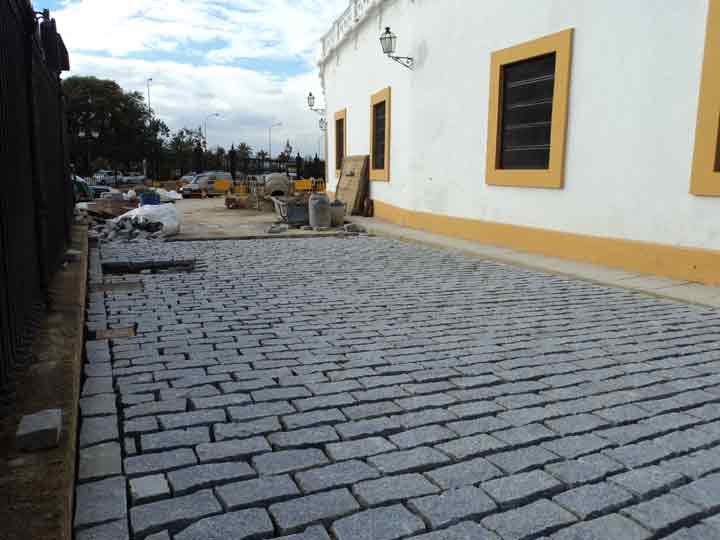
[[153, 408], [467, 530], [521, 488], [189, 479], [453, 506], [99, 405], [424, 417], [390, 489], [478, 425], [176, 438], [100, 502], [97, 385], [259, 491], [149, 488], [704, 492], [525, 522], [98, 429], [260, 410], [648, 481], [146, 424], [231, 449], [159, 461], [465, 473], [115, 530], [193, 418], [173, 514], [591, 501], [364, 428], [422, 436], [242, 525], [697, 532], [529, 434], [336, 475], [313, 418], [303, 438], [99, 461], [261, 426], [284, 461], [612, 526], [694, 465], [359, 448], [316, 532], [638, 455], [296, 514], [217, 402], [414, 460], [583, 470], [387, 523], [663, 512], [475, 445], [575, 446], [523, 459], [370, 410]]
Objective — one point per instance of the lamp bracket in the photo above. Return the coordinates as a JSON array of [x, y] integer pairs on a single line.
[[405, 61]]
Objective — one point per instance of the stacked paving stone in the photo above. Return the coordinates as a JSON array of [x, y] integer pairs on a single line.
[[367, 389]]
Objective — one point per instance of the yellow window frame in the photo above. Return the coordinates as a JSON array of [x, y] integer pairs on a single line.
[[705, 179], [340, 115], [381, 175], [553, 177]]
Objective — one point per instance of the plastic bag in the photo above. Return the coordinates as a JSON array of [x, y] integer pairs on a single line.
[[143, 217], [168, 196]]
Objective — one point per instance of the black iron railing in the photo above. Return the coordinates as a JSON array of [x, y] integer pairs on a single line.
[[36, 201]]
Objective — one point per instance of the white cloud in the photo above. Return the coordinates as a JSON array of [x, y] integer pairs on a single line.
[[191, 48]]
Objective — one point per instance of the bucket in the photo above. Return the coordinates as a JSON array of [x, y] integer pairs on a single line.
[[337, 214], [319, 210]]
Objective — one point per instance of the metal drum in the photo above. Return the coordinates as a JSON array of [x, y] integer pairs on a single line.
[[319, 210]]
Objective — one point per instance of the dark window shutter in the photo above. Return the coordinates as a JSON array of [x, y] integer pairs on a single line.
[[339, 142], [378, 157], [527, 98]]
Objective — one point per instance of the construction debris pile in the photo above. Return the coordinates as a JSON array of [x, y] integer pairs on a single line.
[[114, 222]]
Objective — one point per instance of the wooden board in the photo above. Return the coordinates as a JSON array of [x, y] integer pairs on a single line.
[[353, 186]]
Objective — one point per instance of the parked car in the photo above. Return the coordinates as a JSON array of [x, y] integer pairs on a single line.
[[213, 182], [106, 176], [81, 190], [97, 191]]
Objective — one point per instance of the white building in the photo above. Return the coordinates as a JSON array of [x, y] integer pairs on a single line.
[[586, 129]]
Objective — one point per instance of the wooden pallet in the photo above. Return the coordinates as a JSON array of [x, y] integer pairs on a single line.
[[353, 188]]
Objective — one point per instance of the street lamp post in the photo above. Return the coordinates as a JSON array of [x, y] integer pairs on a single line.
[[270, 138], [216, 115], [148, 90]]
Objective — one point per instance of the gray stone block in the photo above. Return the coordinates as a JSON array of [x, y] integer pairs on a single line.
[[303, 438], [158, 462], [39, 431], [243, 525], [149, 488], [638, 455], [467, 530], [414, 460], [663, 512], [336, 475], [242, 430], [115, 530], [698, 532], [453, 506], [521, 488], [315, 532], [387, 523], [529, 434], [99, 405], [259, 491], [473, 446], [524, 459], [260, 410], [531, 521], [648, 481], [138, 426], [477, 425], [359, 448], [422, 436], [193, 418], [465, 473], [231, 449], [99, 461], [364, 428], [586, 469], [313, 418], [97, 385], [390, 489], [99, 502], [183, 481], [173, 514], [590, 501], [176, 438], [293, 515], [217, 402], [285, 461], [153, 408], [614, 526], [98, 429], [704, 492]]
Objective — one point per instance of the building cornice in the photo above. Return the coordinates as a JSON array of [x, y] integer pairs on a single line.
[[345, 25]]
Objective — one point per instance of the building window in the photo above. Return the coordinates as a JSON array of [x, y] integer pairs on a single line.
[[380, 136], [527, 123], [340, 139], [705, 179]]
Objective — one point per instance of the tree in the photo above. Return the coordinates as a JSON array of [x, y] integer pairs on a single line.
[[286, 154], [262, 155], [244, 151], [106, 122]]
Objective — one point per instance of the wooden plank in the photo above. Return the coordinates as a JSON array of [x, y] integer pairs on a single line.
[[353, 186]]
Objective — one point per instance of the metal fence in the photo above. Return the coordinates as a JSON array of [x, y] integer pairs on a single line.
[[36, 201]]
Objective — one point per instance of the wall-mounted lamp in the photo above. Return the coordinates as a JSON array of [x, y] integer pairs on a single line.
[[323, 124], [311, 104], [388, 41]]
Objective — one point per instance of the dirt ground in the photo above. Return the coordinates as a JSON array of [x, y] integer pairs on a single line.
[[209, 218], [36, 488]]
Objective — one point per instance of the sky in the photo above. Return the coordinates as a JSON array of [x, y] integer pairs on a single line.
[[251, 61]]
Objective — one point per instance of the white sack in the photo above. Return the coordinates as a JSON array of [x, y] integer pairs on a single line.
[[166, 214]]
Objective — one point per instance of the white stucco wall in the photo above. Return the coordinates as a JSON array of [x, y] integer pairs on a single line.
[[633, 108]]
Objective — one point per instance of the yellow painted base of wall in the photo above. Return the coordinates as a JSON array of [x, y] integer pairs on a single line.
[[689, 264]]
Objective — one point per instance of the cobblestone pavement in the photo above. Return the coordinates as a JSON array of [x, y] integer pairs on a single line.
[[367, 389]]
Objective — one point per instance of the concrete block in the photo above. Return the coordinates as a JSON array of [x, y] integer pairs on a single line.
[[39, 431]]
